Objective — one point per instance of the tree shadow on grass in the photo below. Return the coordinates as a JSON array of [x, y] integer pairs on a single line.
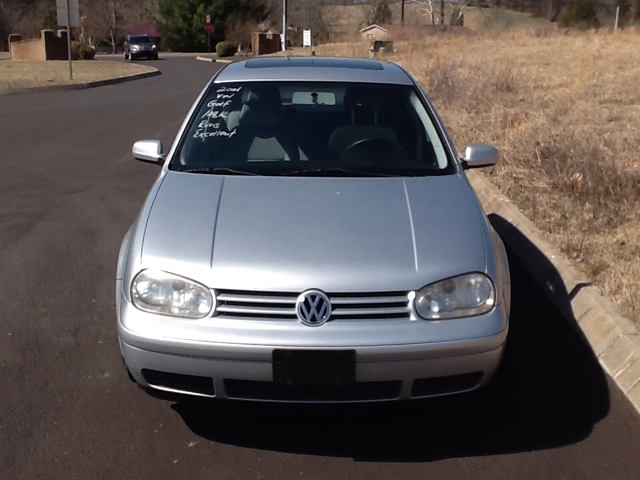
[[549, 391]]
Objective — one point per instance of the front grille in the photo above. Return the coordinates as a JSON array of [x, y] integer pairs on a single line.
[[180, 383], [282, 306], [428, 387], [364, 391]]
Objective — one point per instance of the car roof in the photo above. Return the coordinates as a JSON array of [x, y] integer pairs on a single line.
[[318, 69]]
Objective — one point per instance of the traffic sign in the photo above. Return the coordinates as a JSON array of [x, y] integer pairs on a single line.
[[208, 27], [73, 15]]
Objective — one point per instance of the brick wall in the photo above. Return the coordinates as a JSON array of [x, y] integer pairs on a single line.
[[50, 46], [263, 43], [26, 49]]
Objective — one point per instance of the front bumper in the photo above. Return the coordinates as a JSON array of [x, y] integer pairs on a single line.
[[234, 360], [380, 379], [147, 53]]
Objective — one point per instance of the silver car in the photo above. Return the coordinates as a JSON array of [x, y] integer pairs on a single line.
[[138, 46], [312, 237]]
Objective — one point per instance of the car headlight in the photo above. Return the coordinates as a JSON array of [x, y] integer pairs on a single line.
[[134, 47], [167, 294], [153, 47], [464, 296]]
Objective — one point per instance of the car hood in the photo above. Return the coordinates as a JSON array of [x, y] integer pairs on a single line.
[[335, 234]]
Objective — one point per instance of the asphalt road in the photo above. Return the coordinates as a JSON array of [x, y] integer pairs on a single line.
[[68, 192]]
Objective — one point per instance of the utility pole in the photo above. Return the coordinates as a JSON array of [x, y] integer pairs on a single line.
[[284, 26], [69, 40], [402, 15]]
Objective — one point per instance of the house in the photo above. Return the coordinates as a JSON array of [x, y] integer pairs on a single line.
[[374, 32]]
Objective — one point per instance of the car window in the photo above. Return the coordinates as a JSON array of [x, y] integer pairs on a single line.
[[305, 128], [139, 39]]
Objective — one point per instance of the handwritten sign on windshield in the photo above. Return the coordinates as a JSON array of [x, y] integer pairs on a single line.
[[215, 118]]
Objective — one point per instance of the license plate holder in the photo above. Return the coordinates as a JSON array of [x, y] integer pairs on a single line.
[[314, 368]]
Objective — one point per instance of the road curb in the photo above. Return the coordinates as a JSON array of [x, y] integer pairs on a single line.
[[80, 86], [212, 60], [613, 338]]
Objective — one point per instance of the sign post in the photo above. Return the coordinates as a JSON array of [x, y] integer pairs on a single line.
[[68, 16], [283, 37], [208, 27]]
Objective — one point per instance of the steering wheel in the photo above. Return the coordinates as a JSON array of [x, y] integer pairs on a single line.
[[369, 149]]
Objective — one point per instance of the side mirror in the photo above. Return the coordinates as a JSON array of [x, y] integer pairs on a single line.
[[148, 151], [478, 155]]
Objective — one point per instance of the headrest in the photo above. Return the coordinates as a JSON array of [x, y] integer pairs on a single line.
[[261, 109], [267, 95]]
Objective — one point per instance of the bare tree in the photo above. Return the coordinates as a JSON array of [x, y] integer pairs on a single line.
[[149, 10], [377, 13], [307, 14], [428, 8], [28, 17], [457, 15], [240, 32], [102, 20], [367, 13]]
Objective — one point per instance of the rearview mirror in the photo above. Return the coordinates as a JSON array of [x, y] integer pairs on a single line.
[[148, 151], [478, 155]]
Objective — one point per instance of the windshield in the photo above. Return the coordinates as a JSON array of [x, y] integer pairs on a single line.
[[140, 39], [303, 128]]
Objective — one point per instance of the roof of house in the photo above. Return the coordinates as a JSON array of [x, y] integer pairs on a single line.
[[372, 27], [150, 29]]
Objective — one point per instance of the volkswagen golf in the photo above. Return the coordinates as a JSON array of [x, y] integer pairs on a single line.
[[312, 237]]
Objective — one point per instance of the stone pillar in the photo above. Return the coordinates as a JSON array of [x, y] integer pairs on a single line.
[[13, 37]]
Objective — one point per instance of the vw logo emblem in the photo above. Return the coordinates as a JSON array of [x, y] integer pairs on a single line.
[[313, 308]]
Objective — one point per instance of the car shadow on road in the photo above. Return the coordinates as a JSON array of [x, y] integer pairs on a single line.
[[549, 391]]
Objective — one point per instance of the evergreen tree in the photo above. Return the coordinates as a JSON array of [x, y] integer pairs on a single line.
[[182, 25]]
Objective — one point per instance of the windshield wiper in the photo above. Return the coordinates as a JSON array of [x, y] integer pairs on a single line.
[[331, 172], [217, 171]]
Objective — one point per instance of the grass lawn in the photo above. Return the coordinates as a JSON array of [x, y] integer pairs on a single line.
[[20, 74]]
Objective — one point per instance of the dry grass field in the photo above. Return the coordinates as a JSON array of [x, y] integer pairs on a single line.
[[344, 21], [565, 113], [21, 74]]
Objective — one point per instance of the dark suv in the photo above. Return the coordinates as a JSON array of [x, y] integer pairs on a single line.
[[138, 46]]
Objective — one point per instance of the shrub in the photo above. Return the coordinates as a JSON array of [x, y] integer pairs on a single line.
[[81, 50], [580, 14], [225, 49]]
